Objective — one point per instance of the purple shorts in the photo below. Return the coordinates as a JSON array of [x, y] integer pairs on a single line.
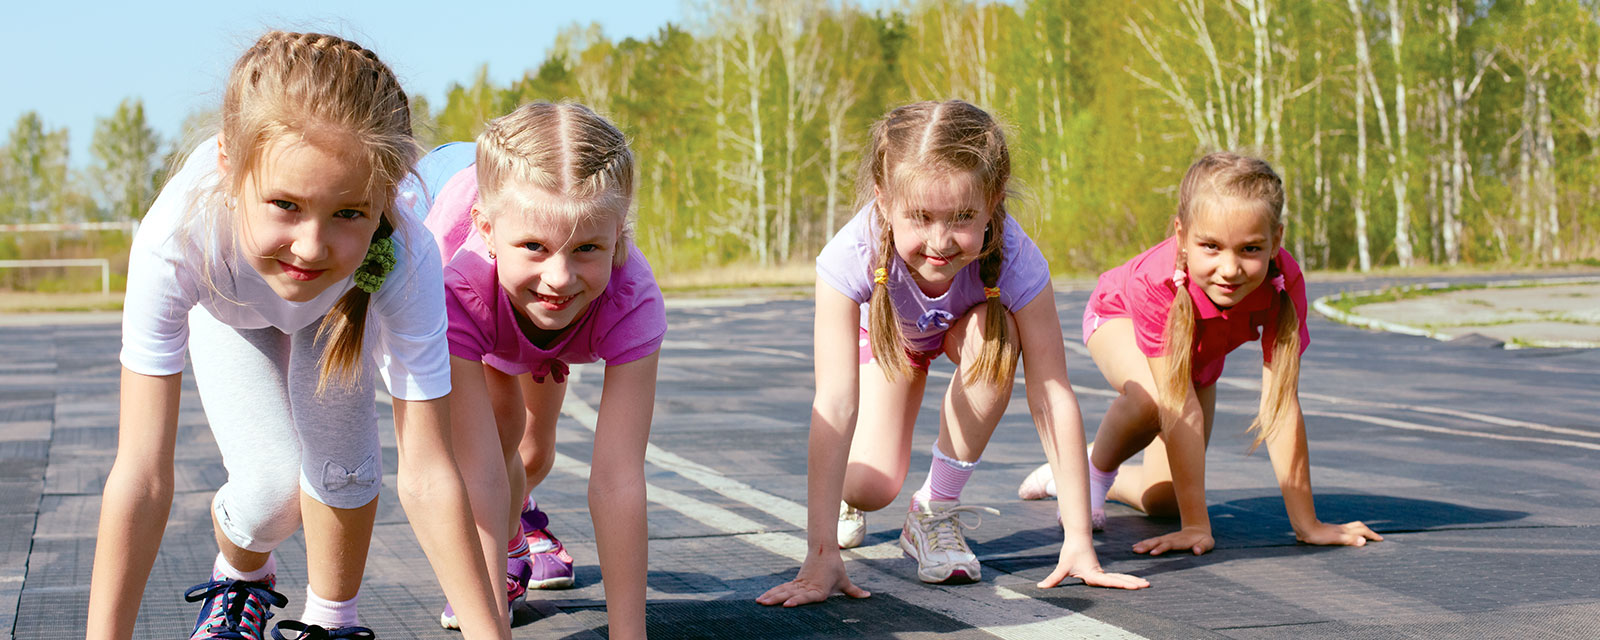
[[920, 360]]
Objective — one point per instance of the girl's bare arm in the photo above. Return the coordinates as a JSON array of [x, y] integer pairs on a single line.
[[136, 502], [1060, 424], [617, 492]]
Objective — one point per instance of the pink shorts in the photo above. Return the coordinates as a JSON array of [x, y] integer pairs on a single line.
[[920, 360], [1092, 320]]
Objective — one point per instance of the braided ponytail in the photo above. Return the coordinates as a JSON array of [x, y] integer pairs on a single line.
[[997, 362]]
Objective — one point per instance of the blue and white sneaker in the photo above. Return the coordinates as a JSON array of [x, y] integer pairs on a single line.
[[234, 609]]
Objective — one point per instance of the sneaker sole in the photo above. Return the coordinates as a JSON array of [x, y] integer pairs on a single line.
[[551, 583], [449, 622], [956, 577]]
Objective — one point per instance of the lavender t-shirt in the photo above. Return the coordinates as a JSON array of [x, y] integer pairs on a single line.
[[624, 323], [848, 260]]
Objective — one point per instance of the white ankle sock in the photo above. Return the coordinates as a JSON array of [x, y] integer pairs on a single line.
[[327, 613], [257, 575]]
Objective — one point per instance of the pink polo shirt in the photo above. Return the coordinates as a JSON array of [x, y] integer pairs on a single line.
[[1142, 290], [625, 322]]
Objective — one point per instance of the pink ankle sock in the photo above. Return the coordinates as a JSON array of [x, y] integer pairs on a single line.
[[257, 575], [946, 477], [327, 613], [518, 546]]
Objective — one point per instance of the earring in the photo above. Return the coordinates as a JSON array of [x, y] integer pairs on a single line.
[[491, 254]]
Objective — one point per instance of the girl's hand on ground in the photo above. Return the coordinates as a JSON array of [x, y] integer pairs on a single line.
[[820, 577], [1194, 540], [1085, 567], [1354, 534]]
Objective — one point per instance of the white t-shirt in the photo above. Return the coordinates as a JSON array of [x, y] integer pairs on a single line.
[[406, 324]]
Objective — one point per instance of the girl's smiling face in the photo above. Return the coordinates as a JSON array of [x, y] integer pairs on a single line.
[[939, 229], [1228, 248], [305, 216], [550, 267]]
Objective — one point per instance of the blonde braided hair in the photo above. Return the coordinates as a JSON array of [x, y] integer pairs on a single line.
[[565, 149]]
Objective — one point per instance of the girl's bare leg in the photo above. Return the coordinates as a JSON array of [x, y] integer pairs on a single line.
[[1148, 487], [336, 546], [971, 412], [537, 440], [880, 449]]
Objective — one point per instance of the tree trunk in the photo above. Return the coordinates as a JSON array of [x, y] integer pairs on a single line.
[[1359, 193], [1402, 171]]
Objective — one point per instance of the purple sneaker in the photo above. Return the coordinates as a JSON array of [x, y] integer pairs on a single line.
[[234, 609], [552, 565], [517, 572]]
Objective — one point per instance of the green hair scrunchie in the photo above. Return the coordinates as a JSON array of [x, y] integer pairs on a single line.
[[377, 265]]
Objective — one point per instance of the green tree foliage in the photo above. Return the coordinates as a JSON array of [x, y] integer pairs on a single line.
[[1408, 131], [127, 158], [34, 176]]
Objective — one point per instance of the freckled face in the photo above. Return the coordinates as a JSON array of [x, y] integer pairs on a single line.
[[305, 221], [939, 230], [1229, 247], [550, 268]]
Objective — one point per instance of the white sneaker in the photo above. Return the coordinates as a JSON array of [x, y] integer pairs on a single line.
[[933, 537], [852, 526]]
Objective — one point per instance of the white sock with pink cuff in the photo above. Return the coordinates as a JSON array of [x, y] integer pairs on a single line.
[[946, 477], [1099, 484]]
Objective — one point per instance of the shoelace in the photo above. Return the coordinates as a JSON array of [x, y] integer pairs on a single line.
[[315, 632], [847, 512], [236, 596], [946, 525]]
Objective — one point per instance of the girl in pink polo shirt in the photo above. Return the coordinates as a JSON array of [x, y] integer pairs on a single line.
[[1160, 326], [541, 274]]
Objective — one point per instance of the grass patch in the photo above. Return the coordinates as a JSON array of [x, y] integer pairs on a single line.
[[1346, 302]]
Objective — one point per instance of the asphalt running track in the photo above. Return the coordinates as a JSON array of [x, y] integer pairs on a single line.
[[1479, 466]]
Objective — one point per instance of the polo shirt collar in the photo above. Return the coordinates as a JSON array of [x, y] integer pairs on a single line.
[[1259, 299]]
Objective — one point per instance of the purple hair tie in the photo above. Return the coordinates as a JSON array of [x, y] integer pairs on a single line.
[[1278, 283]]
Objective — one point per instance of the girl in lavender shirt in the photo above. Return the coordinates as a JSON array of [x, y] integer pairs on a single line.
[[540, 274], [940, 268]]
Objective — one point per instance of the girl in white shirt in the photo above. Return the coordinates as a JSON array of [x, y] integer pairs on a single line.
[[282, 257]]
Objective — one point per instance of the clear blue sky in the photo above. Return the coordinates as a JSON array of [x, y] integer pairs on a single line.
[[74, 61]]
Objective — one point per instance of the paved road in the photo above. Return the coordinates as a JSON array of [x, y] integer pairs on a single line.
[[1477, 464]]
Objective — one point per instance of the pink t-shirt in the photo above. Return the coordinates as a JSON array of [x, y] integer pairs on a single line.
[[1142, 289], [625, 322]]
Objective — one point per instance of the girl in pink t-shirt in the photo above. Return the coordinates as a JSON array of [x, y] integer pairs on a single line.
[[1160, 326], [932, 257], [541, 274]]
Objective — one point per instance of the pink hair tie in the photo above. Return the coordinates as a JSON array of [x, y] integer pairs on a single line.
[[1278, 284], [1179, 277]]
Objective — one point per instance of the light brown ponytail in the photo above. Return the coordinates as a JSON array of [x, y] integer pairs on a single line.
[[1285, 383], [883, 322], [997, 362], [1174, 386]]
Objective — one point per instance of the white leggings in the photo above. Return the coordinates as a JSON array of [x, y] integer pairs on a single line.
[[277, 436]]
